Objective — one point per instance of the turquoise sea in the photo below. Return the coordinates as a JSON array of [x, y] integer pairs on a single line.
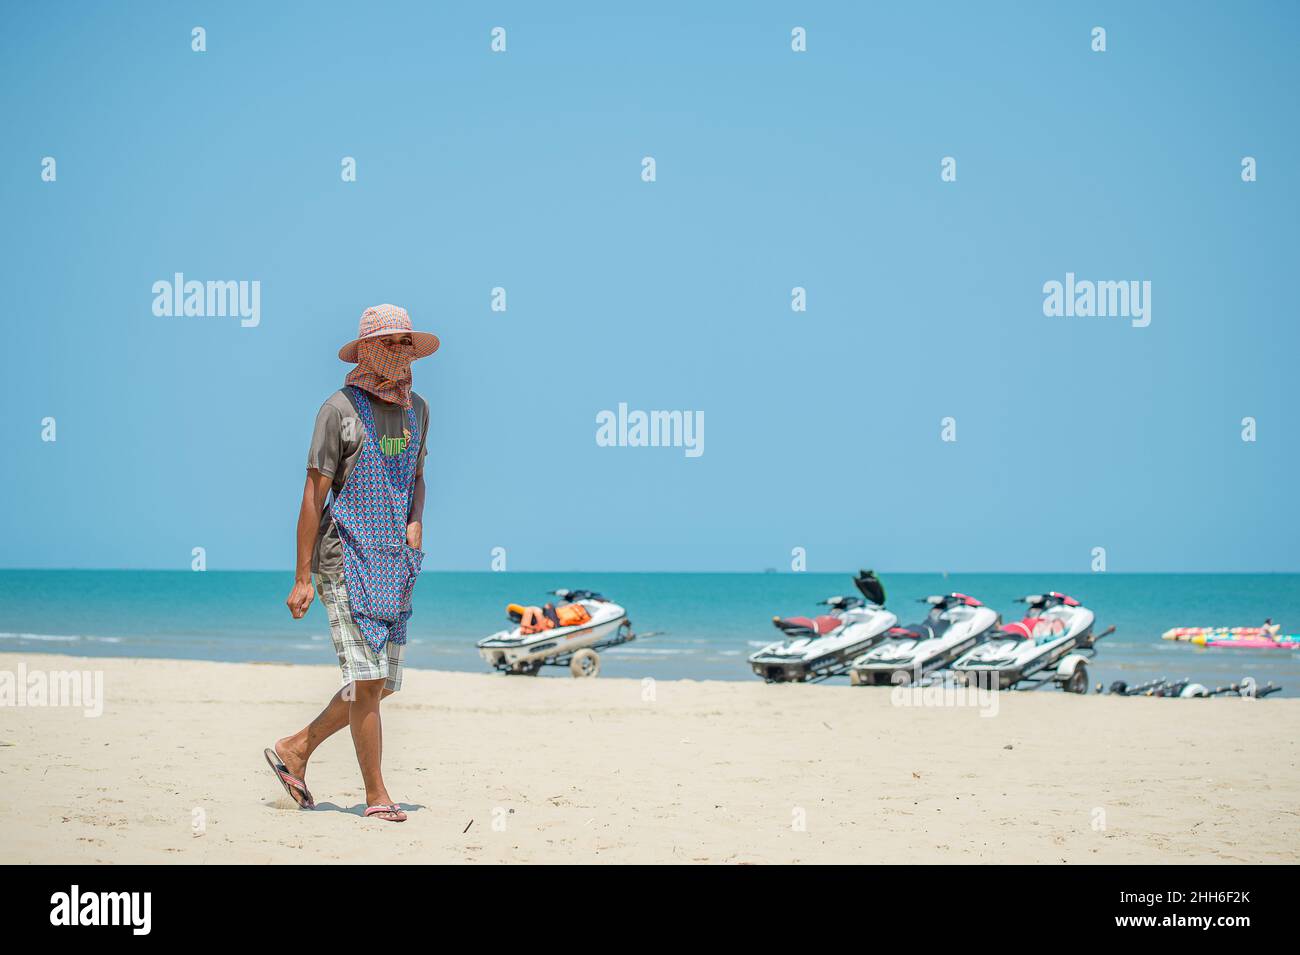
[[709, 623]]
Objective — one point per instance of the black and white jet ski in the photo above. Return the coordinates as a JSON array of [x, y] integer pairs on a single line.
[[541, 636], [815, 648], [1053, 641], [954, 625]]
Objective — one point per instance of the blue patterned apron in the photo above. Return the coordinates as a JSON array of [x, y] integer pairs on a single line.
[[379, 567]]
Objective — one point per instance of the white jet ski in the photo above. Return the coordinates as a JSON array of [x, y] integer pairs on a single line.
[[815, 648], [955, 624], [1053, 641], [540, 637]]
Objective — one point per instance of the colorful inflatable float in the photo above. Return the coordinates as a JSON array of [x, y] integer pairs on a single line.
[[1288, 641], [1267, 637], [1189, 634]]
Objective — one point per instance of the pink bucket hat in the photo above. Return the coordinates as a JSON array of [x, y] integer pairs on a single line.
[[380, 320]]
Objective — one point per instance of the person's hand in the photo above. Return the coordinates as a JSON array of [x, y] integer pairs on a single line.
[[415, 534], [300, 598]]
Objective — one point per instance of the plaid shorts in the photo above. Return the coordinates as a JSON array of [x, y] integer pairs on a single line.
[[357, 657]]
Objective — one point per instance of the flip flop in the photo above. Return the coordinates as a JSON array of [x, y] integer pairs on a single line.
[[375, 810], [295, 787]]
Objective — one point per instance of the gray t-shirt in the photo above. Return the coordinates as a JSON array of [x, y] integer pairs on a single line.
[[335, 445]]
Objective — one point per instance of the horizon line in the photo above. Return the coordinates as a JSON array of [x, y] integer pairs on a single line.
[[759, 573]]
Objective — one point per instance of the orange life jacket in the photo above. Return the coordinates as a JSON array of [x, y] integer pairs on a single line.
[[571, 615]]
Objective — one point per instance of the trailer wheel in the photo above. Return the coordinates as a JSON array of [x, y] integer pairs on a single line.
[[531, 668], [585, 663], [1078, 681]]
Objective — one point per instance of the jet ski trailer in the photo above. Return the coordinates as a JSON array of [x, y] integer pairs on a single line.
[[577, 647], [909, 655], [1052, 644], [817, 648], [1186, 689]]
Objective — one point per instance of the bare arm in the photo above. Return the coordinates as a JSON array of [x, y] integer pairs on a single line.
[[415, 518], [314, 492]]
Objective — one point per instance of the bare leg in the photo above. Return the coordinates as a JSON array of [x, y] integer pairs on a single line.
[[367, 736], [296, 750]]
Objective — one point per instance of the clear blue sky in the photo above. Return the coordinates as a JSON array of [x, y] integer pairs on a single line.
[[775, 170]]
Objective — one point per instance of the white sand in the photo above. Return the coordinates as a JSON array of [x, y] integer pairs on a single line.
[[593, 770]]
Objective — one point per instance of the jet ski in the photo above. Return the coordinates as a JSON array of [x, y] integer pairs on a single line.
[[1053, 641], [814, 648], [955, 624], [569, 634]]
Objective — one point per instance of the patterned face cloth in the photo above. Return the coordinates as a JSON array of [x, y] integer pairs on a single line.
[[384, 371]]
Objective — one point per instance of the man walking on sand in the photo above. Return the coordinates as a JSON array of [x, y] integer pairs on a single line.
[[364, 546]]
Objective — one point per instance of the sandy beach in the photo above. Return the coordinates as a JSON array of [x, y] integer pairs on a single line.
[[497, 769]]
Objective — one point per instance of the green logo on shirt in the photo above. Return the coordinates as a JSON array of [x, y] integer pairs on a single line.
[[392, 446]]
